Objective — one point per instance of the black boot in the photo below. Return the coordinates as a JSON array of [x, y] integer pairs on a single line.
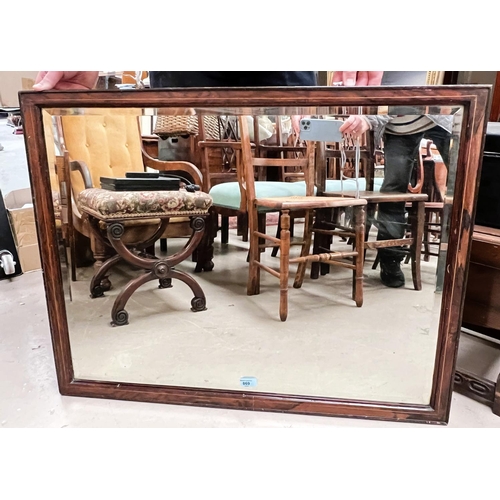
[[390, 272]]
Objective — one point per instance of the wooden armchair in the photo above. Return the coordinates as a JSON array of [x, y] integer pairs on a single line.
[[109, 144]]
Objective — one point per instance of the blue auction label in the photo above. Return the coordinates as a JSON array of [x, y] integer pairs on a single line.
[[248, 381]]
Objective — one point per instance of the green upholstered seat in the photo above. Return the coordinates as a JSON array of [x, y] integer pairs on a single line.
[[335, 186], [228, 194]]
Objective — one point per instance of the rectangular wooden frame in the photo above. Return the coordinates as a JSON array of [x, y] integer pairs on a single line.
[[474, 100]]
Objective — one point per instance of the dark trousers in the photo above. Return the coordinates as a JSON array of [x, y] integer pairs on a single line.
[[159, 79], [400, 155]]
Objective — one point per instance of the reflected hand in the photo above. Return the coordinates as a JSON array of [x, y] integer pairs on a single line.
[[296, 123], [357, 78], [66, 80], [355, 125]]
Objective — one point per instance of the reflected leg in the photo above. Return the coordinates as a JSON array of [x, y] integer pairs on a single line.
[[400, 157]]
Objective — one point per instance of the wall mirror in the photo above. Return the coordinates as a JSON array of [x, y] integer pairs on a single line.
[[392, 358]]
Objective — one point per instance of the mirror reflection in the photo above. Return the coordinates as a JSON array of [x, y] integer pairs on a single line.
[[281, 250]]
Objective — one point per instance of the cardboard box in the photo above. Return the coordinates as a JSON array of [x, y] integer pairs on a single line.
[[11, 82], [19, 205]]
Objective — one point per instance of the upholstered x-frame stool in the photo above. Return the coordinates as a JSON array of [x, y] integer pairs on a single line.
[[109, 212]]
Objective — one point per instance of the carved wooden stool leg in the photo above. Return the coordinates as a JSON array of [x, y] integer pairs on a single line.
[[119, 315], [284, 263], [161, 269], [96, 284], [198, 303], [100, 252], [205, 250]]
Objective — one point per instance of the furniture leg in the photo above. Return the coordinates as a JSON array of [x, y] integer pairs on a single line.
[[119, 317], [306, 248], [198, 303], [261, 226], [243, 227], [224, 229], [359, 245], [253, 285], [327, 241], [320, 241], [284, 263], [205, 250], [97, 288], [417, 226], [161, 269], [100, 252]]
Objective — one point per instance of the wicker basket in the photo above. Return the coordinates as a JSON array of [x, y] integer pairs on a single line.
[[185, 125]]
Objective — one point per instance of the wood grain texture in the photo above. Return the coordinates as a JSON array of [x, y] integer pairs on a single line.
[[246, 101]]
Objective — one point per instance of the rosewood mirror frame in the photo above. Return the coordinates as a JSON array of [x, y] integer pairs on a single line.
[[473, 99]]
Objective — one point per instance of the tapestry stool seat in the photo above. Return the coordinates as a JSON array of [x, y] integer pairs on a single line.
[[115, 216]]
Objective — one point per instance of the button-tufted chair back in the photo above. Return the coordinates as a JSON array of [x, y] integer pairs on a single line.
[[109, 144]]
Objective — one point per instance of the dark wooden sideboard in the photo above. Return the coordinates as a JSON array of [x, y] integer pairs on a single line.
[[481, 311], [482, 299]]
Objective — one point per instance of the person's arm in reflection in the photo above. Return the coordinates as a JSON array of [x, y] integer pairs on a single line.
[[357, 125], [66, 80]]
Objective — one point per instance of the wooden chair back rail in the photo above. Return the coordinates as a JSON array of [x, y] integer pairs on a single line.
[[278, 162]]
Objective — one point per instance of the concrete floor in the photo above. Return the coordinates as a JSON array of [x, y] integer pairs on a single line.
[[28, 389]]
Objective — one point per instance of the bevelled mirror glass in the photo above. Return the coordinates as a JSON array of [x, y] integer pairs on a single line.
[[373, 338]]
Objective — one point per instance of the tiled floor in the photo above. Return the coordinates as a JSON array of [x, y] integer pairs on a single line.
[[28, 389]]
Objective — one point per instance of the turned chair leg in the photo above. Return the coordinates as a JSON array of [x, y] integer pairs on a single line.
[[253, 284], [224, 230], [284, 263], [358, 260]]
